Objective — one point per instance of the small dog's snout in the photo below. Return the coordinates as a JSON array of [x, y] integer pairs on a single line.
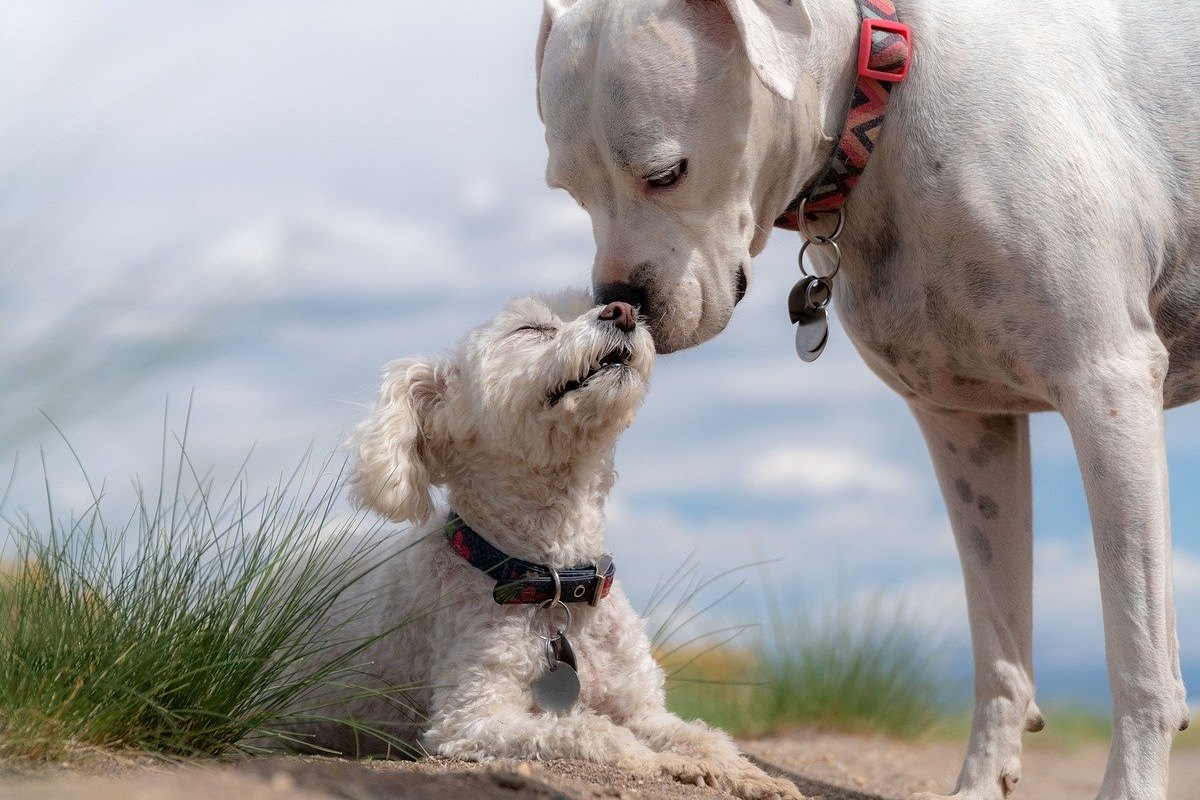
[[620, 314]]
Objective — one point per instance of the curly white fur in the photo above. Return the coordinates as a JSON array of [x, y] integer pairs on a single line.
[[531, 476]]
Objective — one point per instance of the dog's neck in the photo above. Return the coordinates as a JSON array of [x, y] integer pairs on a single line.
[[553, 515], [831, 58], [818, 111]]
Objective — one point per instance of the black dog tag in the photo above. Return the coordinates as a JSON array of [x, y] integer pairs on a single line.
[[806, 308]]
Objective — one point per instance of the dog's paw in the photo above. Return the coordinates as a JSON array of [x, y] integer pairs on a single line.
[[751, 783], [967, 794], [739, 778]]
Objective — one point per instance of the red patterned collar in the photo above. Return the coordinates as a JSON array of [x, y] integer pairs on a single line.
[[884, 53]]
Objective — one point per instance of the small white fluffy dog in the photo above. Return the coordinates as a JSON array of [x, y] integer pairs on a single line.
[[519, 425]]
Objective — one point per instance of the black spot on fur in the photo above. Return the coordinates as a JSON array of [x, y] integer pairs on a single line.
[[980, 543], [923, 380], [980, 282], [986, 448], [951, 447], [951, 327], [988, 507], [879, 254], [965, 493], [1000, 424]]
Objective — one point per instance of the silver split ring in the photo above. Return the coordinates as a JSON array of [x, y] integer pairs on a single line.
[[803, 222], [822, 241], [551, 606]]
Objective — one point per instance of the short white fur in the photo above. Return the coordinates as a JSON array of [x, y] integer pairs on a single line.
[[1026, 238]]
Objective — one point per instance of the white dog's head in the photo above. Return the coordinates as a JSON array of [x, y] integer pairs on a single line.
[[549, 381], [683, 128]]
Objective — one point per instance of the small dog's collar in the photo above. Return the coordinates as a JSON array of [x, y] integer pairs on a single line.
[[520, 581], [884, 53]]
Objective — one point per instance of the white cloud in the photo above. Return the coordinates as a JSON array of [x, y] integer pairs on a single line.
[[360, 191], [825, 469]]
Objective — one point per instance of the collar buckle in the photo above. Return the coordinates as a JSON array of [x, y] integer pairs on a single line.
[[603, 565], [890, 57]]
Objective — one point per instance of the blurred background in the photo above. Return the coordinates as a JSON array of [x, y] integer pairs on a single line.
[[251, 206]]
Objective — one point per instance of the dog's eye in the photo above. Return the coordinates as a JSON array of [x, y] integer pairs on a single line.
[[668, 177], [541, 328]]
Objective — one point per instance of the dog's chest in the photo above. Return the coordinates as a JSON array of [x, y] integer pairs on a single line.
[[955, 340], [600, 665], [970, 331]]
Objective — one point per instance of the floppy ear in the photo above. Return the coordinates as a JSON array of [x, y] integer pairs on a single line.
[[774, 34], [395, 458], [551, 10]]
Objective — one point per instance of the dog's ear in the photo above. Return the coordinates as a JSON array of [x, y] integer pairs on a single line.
[[774, 34], [551, 10], [397, 458]]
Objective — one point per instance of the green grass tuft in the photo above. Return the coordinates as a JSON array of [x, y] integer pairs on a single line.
[[865, 667], [180, 630], [858, 668]]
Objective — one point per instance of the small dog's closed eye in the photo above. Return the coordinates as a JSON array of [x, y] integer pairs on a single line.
[[505, 588]]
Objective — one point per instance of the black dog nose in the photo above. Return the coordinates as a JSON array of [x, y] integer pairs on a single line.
[[620, 314], [606, 293]]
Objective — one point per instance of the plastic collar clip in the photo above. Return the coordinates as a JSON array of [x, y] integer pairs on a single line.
[[866, 46]]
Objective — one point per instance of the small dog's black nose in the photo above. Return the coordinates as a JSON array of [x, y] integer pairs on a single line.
[[620, 314]]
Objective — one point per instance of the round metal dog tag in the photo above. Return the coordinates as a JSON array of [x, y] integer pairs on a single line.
[[807, 309], [558, 689], [812, 332]]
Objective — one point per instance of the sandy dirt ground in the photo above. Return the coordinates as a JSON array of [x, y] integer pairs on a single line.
[[834, 766]]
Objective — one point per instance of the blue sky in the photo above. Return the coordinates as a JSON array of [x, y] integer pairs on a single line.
[[312, 189]]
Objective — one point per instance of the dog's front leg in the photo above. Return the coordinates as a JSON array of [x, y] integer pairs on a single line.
[[633, 695], [705, 754], [477, 723], [1114, 412], [983, 467]]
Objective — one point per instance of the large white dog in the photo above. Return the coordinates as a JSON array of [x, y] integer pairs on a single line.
[[1025, 238]]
